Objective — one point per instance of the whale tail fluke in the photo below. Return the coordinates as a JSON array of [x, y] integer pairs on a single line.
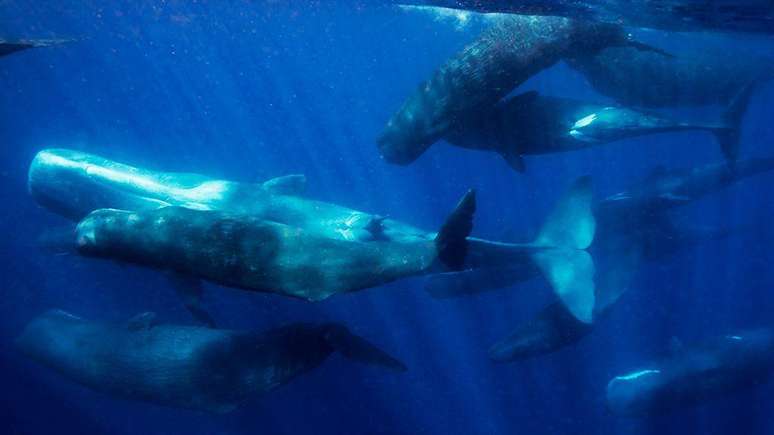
[[359, 349], [562, 258], [451, 241]]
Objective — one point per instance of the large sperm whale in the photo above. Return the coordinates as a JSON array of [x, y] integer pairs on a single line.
[[533, 124], [213, 370], [74, 184], [691, 375], [507, 54]]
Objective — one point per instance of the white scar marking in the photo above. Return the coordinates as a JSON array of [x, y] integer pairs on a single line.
[[585, 121], [636, 375]]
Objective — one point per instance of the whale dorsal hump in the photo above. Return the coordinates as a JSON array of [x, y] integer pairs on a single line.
[[294, 184], [142, 321]]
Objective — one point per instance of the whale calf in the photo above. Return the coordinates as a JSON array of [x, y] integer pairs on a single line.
[[533, 124], [507, 54], [192, 367], [695, 374]]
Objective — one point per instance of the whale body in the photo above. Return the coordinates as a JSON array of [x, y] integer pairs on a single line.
[[640, 78], [74, 183], [192, 367], [693, 375], [534, 124], [749, 16], [247, 252]]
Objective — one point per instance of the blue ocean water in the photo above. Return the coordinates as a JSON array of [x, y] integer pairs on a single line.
[[252, 90]]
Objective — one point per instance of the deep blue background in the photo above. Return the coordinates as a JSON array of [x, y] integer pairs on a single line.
[[252, 90]]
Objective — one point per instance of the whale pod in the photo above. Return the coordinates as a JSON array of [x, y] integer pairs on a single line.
[[206, 369], [507, 54]]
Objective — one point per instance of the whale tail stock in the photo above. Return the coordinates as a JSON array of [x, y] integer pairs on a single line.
[[358, 349], [451, 241], [561, 255]]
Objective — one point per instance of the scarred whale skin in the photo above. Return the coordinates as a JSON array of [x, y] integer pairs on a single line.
[[693, 375], [248, 252], [186, 366], [504, 56]]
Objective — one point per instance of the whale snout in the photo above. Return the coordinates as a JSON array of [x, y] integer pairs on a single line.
[[86, 239]]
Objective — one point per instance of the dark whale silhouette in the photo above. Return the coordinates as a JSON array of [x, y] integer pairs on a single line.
[[694, 374], [200, 368], [640, 78], [8, 46], [750, 16], [533, 124]]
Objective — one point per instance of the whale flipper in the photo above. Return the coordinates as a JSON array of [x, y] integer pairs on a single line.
[[514, 160], [294, 184], [190, 291], [569, 230], [451, 241], [359, 349]]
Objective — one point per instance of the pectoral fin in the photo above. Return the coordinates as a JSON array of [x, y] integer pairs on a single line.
[[515, 161], [190, 291], [359, 349]]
